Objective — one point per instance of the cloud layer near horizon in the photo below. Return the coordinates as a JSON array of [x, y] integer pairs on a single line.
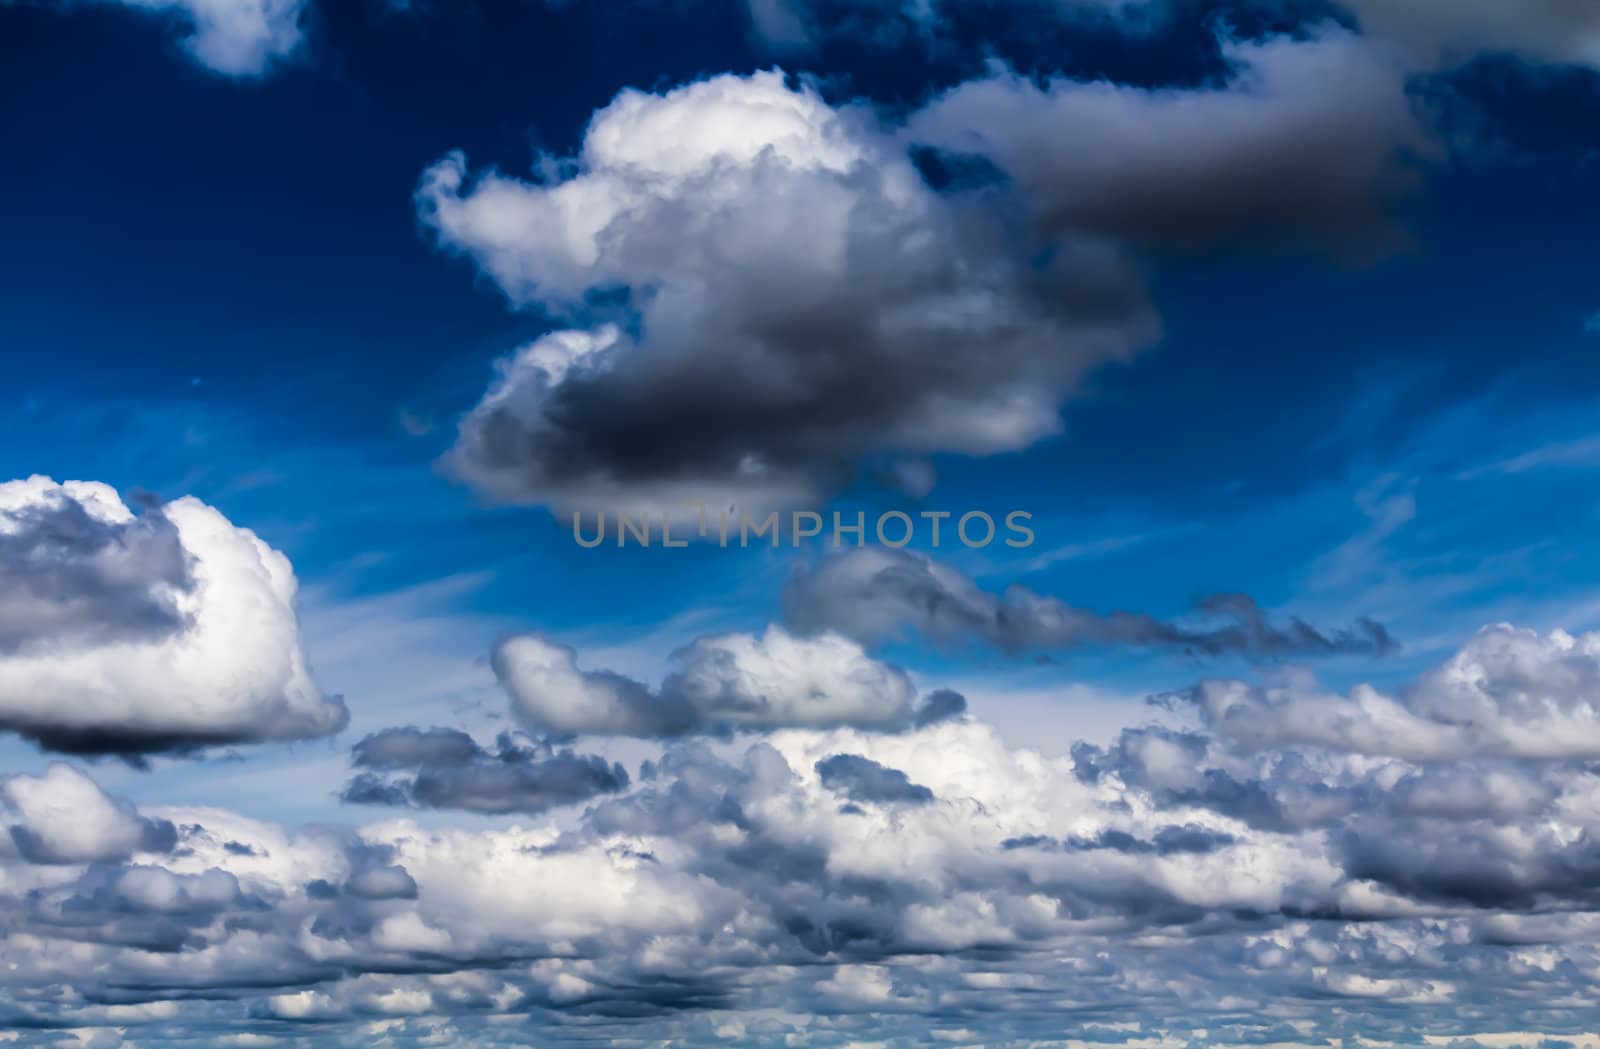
[[1245, 876]]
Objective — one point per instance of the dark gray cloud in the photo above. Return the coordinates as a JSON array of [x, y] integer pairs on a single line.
[[1456, 31], [1165, 842], [407, 747], [864, 780], [1270, 157], [448, 770], [515, 786], [1431, 33], [875, 594]]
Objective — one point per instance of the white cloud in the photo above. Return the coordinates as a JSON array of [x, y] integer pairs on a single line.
[[722, 682], [230, 670], [1507, 692], [64, 817]]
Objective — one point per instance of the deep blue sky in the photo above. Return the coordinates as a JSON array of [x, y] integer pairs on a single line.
[[189, 253], [221, 285]]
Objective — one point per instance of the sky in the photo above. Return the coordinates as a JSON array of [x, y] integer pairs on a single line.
[[342, 342]]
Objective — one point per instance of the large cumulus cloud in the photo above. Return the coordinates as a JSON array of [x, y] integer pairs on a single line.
[[796, 299], [125, 633]]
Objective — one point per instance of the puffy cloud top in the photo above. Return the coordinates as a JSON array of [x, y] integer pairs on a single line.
[[720, 683], [64, 817], [798, 300], [1508, 692], [145, 633]]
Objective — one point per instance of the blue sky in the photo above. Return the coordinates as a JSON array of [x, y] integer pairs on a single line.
[[1282, 300]]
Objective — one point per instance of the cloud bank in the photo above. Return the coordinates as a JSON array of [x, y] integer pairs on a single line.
[[829, 886]]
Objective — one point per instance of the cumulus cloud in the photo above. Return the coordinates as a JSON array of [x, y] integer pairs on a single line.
[[1271, 156], [64, 817], [718, 684], [127, 633], [1507, 693], [794, 301], [237, 38], [448, 770], [875, 594], [71, 576]]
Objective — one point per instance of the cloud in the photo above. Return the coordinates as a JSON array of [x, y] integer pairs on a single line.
[[1179, 880], [800, 25], [382, 883], [64, 817], [1507, 693], [862, 779], [72, 576], [1269, 157], [875, 594], [236, 38], [450, 771], [1435, 33], [790, 301], [1446, 31], [128, 634], [398, 748], [719, 684]]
